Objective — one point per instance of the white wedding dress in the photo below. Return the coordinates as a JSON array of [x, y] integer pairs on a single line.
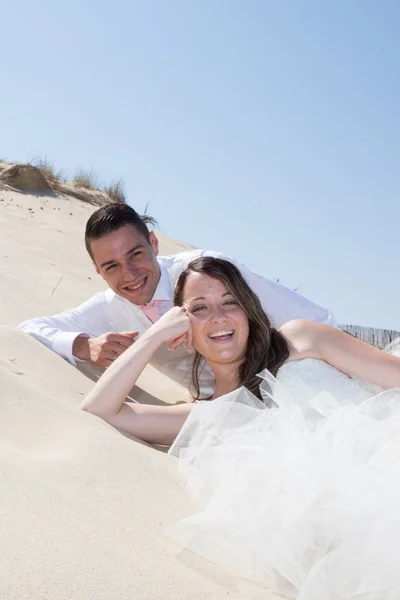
[[301, 494]]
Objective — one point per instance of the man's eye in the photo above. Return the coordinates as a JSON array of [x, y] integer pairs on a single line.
[[110, 267], [135, 254]]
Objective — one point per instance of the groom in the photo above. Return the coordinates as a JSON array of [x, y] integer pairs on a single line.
[[141, 285]]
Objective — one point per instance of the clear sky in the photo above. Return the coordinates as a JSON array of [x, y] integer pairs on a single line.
[[269, 130]]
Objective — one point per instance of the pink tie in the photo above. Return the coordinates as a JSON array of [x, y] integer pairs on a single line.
[[152, 310]]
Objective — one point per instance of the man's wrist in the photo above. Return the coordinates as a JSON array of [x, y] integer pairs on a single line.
[[81, 348]]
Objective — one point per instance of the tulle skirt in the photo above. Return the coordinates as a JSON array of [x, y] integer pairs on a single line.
[[302, 500]]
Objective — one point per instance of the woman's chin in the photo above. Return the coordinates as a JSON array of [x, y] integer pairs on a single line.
[[226, 357], [221, 352]]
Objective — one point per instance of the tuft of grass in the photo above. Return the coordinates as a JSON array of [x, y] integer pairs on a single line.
[[85, 179], [115, 190], [48, 169], [146, 218]]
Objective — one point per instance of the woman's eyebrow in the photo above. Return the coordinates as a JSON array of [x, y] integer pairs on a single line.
[[203, 297]]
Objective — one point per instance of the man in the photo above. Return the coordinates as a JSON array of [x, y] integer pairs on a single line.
[[141, 284]]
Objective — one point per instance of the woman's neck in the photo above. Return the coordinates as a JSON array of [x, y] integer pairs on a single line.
[[226, 378]]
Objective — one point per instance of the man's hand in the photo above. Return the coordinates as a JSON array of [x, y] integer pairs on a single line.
[[103, 350]]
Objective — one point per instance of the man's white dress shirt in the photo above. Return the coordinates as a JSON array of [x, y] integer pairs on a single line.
[[107, 311]]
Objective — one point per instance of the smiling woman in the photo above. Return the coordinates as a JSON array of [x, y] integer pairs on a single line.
[[229, 326], [301, 493]]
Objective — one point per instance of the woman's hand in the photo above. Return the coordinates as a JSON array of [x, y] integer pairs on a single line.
[[174, 327]]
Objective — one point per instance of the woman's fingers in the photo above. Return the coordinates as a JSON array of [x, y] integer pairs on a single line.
[[186, 339], [173, 345], [189, 339], [176, 326]]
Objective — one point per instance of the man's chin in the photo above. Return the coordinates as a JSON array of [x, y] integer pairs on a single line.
[[138, 299]]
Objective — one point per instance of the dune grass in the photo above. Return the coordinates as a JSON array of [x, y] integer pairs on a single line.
[[47, 167], [115, 190], [85, 179], [84, 184]]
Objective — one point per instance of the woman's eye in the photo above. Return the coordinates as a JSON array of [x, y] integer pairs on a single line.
[[231, 302], [198, 308]]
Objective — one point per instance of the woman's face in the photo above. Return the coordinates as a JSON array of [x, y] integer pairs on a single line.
[[220, 326]]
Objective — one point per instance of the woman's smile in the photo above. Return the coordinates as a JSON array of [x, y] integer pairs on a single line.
[[222, 336]]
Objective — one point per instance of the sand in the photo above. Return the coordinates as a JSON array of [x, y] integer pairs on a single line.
[[83, 507]]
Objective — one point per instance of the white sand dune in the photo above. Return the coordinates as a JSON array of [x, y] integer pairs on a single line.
[[82, 506]]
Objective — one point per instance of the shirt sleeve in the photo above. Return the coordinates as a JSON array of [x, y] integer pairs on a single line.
[[58, 332], [279, 302]]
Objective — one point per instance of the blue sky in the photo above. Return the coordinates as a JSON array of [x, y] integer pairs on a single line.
[[269, 130]]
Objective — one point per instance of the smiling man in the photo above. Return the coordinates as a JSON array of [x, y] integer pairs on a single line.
[[141, 284]]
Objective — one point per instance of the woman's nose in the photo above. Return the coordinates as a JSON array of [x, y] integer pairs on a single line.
[[218, 315]]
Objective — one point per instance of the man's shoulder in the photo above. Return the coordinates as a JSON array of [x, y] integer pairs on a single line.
[[185, 257], [176, 263], [180, 257], [105, 297]]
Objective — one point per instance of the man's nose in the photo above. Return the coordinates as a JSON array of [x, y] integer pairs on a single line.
[[129, 270]]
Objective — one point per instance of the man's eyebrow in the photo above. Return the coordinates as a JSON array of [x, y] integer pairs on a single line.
[[203, 297], [111, 262], [134, 249], [108, 262]]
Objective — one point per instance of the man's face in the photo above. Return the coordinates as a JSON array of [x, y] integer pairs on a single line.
[[128, 263]]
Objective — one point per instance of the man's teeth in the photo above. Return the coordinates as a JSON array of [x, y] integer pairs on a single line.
[[221, 334], [135, 287]]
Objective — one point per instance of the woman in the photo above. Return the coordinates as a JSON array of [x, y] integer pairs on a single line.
[[302, 497]]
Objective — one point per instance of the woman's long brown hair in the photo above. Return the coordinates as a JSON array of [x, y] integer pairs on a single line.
[[266, 347]]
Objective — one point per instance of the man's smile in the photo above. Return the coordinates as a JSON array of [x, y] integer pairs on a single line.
[[137, 287]]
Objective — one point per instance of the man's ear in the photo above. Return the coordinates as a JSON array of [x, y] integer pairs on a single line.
[[154, 242]]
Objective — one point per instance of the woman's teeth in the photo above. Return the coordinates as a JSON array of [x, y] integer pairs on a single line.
[[221, 335]]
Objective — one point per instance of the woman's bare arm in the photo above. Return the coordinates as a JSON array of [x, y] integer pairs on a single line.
[[153, 424], [157, 424], [308, 339]]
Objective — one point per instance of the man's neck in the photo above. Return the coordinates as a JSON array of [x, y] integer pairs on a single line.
[[158, 280]]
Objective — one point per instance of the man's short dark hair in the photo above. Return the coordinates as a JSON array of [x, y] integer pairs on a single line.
[[113, 216]]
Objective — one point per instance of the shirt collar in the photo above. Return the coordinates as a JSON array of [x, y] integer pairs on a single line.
[[163, 289]]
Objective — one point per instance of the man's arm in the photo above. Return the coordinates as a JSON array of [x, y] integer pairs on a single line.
[[279, 302], [59, 332]]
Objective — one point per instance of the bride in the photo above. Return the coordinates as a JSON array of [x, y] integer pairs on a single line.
[[297, 471]]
